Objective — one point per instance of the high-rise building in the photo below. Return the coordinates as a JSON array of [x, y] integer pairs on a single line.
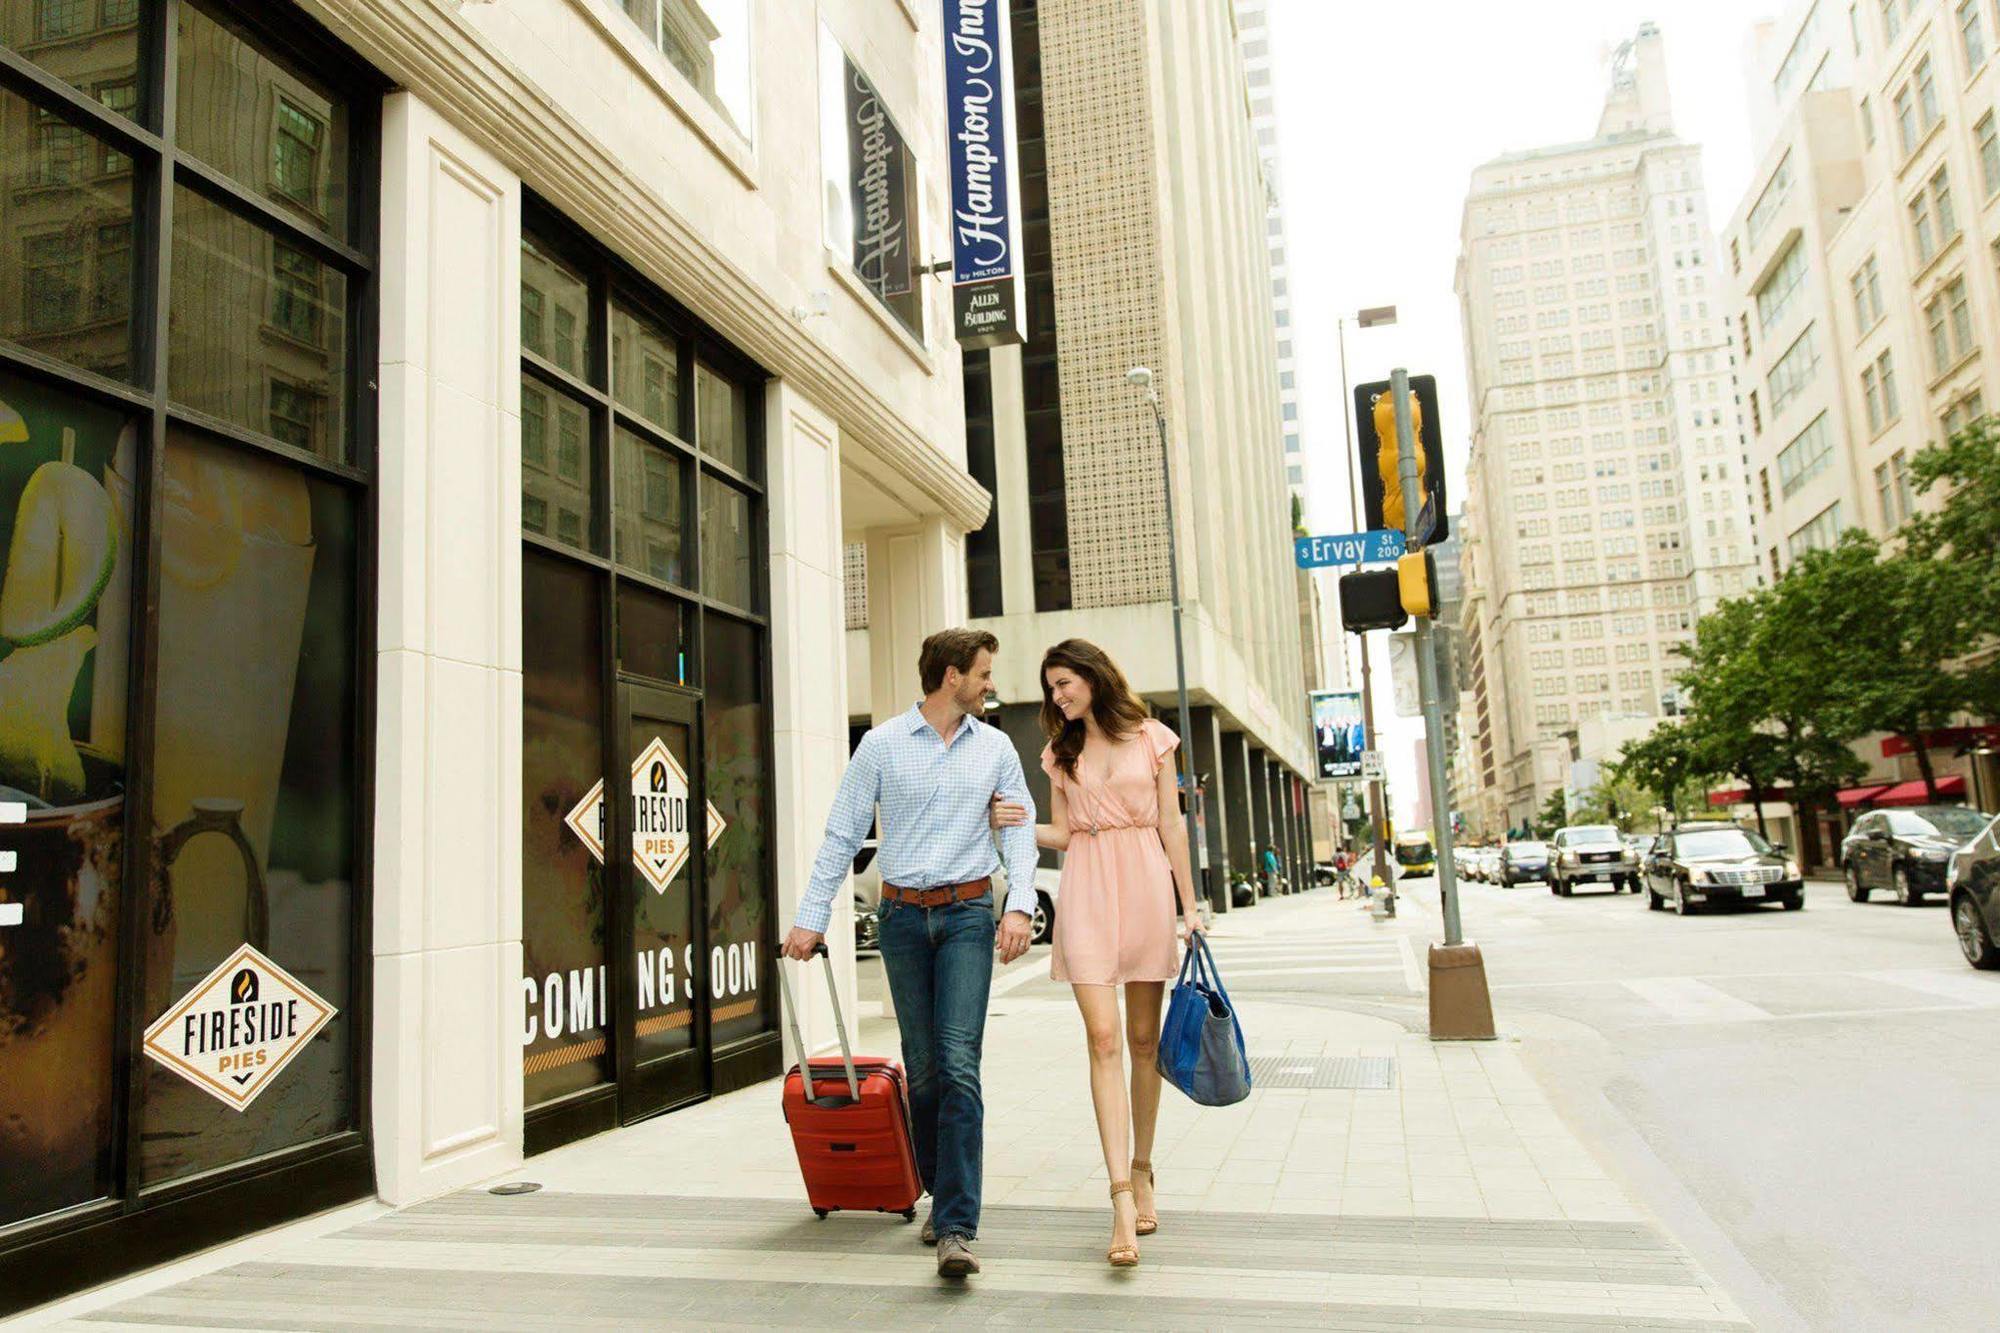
[[1606, 427], [1144, 209], [1860, 267]]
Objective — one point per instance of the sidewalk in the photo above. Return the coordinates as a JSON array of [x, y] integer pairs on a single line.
[[1453, 1197]]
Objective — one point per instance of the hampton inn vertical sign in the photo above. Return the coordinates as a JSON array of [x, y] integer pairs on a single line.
[[985, 191]]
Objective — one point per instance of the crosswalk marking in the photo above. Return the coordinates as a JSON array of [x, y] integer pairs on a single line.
[[1965, 987], [1689, 1000]]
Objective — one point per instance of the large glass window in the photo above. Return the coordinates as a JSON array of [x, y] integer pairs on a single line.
[[654, 445], [871, 187], [62, 298], [212, 802]]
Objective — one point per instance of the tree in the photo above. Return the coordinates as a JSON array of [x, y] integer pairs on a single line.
[[1966, 526], [1672, 765], [1298, 517], [1730, 731], [1552, 816], [1613, 799]]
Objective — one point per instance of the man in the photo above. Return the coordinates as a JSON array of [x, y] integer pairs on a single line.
[[934, 772], [1270, 868]]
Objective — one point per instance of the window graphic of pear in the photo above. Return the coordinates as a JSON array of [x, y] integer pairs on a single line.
[[60, 558]]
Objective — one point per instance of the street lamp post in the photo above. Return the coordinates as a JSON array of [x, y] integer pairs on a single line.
[[1367, 319], [1140, 377]]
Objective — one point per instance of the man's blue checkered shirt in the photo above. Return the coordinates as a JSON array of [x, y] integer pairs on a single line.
[[936, 820]]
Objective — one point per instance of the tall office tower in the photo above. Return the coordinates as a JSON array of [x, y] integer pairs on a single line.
[[1605, 421]]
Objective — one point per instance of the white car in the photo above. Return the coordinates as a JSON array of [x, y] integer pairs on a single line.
[[868, 897]]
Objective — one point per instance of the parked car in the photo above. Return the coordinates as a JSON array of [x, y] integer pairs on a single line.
[[1973, 881], [1905, 851], [1713, 863], [1485, 864], [868, 897], [1521, 862], [1591, 854]]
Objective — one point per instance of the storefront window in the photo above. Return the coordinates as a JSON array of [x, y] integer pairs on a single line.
[[870, 184], [739, 890], [255, 702], [89, 48], [65, 589], [254, 314], [188, 878], [59, 297], [562, 881], [262, 123], [682, 499]]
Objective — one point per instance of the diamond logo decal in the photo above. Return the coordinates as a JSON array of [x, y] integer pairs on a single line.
[[234, 1033]]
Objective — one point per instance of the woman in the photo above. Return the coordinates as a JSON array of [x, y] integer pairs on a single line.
[[1113, 810]]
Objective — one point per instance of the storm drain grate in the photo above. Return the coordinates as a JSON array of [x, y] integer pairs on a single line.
[[1365, 1073]]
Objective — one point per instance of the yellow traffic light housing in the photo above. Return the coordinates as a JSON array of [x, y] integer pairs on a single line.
[[1389, 467], [1417, 583]]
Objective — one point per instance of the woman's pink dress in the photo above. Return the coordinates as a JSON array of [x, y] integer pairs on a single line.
[[1115, 909]]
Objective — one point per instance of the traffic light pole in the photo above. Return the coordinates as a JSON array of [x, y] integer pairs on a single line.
[[1461, 1007], [1427, 678], [1377, 828]]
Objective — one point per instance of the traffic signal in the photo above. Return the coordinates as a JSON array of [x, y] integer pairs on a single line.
[[1388, 458], [1371, 599], [1382, 496], [1417, 583]]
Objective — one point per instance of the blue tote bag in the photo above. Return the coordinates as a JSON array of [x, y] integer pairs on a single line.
[[1201, 1043]]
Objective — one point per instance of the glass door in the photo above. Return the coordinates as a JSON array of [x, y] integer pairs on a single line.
[[657, 847]]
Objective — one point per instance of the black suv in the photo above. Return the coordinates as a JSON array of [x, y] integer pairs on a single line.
[[1905, 851], [1591, 854], [1720, 863]]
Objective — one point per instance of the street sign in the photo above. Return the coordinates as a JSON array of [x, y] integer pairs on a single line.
[[1380, 466], [1350, 548], [1372, 767]]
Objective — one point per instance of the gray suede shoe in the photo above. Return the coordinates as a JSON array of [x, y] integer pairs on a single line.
[[929, 1233], [955, 1259]]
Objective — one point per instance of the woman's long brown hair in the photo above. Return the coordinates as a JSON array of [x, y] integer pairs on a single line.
[[1118, 711]]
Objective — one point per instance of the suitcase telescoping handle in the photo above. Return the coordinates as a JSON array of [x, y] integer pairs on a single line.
[[799, 1036]]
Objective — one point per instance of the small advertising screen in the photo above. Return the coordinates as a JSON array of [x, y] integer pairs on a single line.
[[1338, 733]]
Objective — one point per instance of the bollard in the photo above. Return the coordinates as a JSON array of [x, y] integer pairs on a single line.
[[1461, 1006]]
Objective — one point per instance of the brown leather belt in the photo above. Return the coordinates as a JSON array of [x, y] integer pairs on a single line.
[[941, 895]]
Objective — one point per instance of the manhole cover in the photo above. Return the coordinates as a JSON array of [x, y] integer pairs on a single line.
[[515, 1187], [1368, 1073]]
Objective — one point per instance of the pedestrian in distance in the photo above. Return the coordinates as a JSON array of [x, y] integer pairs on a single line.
[[1114, 811], [932, 773], [1270, 868]]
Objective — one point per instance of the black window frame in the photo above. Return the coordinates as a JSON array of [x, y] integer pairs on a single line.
[[135, 1224], [612, 283]]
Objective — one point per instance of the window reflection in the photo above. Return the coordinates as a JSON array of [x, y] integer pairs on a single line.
[[654, 635], [728, 546], [558, 476], [724, 418], [65, 585], [869, 186], [555, 310], [259, 329], [646, 369], [267, 125], [255, 708], [652, 509], [65, 241], [92, 45]]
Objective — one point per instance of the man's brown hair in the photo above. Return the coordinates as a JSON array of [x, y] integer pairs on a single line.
[[951, 648]]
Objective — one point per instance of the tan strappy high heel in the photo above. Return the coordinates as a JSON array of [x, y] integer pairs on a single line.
[[1148, 1222], [1122, 1256]]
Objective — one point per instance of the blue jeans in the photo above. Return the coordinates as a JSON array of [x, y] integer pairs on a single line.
[[940, 966]]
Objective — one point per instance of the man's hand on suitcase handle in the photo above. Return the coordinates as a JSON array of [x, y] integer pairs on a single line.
[[802, 944], [1011, 940]]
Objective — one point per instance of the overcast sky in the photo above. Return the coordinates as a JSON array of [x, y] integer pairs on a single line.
[[1383, 112]]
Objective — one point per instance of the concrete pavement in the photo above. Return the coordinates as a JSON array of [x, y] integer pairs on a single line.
[[1449, 1194]]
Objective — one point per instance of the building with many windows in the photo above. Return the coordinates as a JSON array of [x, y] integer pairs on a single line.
[[1864, 280], [1608, 508], [428, 435]]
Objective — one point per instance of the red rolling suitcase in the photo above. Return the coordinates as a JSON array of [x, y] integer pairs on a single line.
[[852, 1127]]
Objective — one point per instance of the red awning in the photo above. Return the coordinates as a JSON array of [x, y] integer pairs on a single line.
[[1849, 797], [1944, 738], [1913, 793]]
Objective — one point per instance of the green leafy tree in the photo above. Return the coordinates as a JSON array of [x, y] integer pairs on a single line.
[[1672, 764], [1552, 816], [1731, 733]]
